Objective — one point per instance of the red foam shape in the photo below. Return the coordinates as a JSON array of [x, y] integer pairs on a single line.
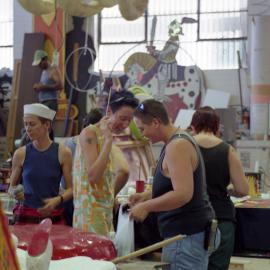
[[69, 242], [40, 237]]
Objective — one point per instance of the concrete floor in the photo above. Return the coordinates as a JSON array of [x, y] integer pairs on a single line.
[[237, 263], [244, 263]]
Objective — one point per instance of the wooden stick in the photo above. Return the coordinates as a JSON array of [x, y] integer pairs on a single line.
[[148, 249], [13, 108], [108, 102]]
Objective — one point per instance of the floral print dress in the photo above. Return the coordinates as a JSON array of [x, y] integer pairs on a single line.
[[93, 202]]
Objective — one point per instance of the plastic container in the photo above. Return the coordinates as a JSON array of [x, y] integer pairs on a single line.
[[140, 186]]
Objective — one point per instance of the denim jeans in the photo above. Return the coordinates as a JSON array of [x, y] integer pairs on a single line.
[[188, 253]]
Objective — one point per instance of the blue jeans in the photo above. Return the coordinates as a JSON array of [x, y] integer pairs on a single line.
[[188, 253]]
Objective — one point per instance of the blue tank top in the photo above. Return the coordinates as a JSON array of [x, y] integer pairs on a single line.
[[194, 216], [41, 175], [46, 94]]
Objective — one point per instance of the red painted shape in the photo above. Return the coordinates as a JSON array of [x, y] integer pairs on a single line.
[[69, 242], [40, 237]]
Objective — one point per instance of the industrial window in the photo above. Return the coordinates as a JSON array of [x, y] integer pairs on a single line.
[[220, 20], [211, 43], [6, 34]]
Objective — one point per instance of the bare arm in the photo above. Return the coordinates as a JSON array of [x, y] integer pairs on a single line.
[[96, 163], [181, 173], [65, 158], [56, 77], [17, 162], [180, 170], [139, 197], [237, 175]]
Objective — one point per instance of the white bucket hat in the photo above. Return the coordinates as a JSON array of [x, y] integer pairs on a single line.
[[38, 56], [39, 110]]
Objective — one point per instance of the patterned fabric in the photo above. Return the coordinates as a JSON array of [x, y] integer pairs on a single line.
[[93, 203]]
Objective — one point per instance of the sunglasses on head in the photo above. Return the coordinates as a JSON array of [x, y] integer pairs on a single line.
[[142, 109]]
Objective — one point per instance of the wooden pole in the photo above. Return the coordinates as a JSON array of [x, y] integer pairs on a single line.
[[148, 249], [13, 108]]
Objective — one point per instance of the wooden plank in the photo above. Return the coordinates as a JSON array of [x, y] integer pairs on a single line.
[[142, 150], [148, 249], [238, 264], [29, 76], [13, 107], [129, 144]]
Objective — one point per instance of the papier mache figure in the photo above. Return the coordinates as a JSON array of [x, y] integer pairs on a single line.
[[166, 57]]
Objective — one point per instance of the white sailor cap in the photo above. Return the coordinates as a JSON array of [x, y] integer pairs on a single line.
[[39, 110]]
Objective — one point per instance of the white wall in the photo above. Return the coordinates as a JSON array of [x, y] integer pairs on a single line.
[[227, 80], [22, 25]]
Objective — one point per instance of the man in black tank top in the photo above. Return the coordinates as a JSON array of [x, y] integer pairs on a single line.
[[179, 193]]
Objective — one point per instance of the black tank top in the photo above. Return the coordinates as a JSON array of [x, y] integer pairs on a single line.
[[192, 217], [216, 161]]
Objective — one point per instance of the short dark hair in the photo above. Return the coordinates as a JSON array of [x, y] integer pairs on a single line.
[[122, 98], [44, 58], [150, 109], [205, 119], [92, 117]]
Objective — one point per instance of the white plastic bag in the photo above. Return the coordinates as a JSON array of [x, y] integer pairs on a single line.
[[124, 237]]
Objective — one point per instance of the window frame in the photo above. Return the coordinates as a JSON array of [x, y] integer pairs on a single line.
[[215, 39], [9, 45], [123, 42], [237, 42]]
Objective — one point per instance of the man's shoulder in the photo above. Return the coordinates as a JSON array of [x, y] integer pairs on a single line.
[[180, 145], [53, 69], [19, 154]]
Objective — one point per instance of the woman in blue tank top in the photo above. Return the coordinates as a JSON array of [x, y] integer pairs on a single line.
[[39, 166]]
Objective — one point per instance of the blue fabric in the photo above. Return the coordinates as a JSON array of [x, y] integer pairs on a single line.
[[188, 253], [68, 205], [41, 175], [49, 94], [71, 144]]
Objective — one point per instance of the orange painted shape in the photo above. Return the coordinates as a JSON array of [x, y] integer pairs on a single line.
[[8, 258], [53, 26], [262, 89], [259, 99]]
